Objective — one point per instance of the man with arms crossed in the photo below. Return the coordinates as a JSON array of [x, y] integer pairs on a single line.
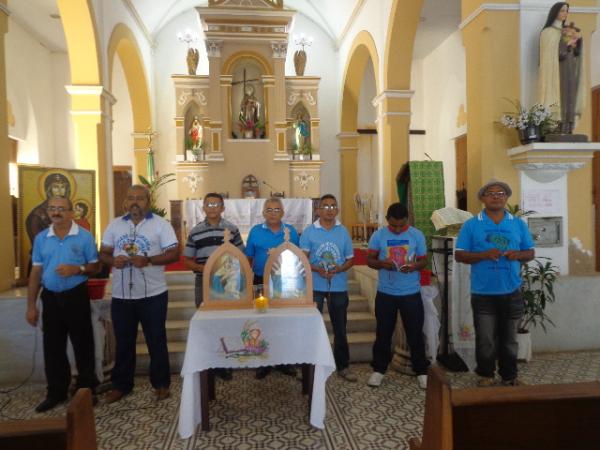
[[495, 243]]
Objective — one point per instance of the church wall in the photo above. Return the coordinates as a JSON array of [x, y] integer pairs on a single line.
[[367, 157], [322, 61], [169, 58], [444, 83], [122, 141], [418, 113], [34, 95]]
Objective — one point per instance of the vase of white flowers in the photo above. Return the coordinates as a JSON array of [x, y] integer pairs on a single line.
[[531, 123]]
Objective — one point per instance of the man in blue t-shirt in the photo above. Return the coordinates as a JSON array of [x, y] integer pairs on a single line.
[[495, 243], [398, 252], [63, 256], [262, 238], [329, 249]]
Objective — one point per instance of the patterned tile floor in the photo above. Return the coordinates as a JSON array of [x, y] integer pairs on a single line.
[[272, 414]]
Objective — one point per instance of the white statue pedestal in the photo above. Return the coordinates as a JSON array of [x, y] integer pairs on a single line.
[[543, 169]]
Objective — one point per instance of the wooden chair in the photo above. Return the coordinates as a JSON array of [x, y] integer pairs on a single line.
[[76, 431], [548, 417]]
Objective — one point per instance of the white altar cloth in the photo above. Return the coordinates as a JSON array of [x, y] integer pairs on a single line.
[[244, 338], [247, 212]]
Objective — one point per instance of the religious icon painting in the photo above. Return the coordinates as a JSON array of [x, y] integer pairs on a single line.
[[37, 185], [227, 278], [288, 278]]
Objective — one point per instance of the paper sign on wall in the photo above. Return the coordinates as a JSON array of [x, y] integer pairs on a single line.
[[541, 200]]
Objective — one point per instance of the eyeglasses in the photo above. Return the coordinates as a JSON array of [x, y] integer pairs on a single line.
[[328, 207], [213, 205], [57, 208], [272, 210], [498, 194]]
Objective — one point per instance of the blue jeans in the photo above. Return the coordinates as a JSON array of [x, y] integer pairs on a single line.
[[412, 314], [496, 319], [337, 305], [151, 312]]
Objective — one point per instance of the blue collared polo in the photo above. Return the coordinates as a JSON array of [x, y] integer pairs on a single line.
[[261, 239], [49, 251], [480, 234]]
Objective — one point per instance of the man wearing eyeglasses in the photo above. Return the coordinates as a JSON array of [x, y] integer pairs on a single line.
[[63, 256], [495, 243], [329, 249], [262, 238], [203, 240]]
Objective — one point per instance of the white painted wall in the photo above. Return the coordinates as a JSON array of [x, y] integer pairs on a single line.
[[367, 143], [35, 80], [439, 81], [122, 140], [322, 61]]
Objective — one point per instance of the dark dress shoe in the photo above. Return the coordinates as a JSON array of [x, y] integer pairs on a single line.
[[162, 393], [114, 396], [224, 374], [48, 404], [286, 369], [262, 372]]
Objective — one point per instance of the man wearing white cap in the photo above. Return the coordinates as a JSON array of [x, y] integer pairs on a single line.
[[495, 243]]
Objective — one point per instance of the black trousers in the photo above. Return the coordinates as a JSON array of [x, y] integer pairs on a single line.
[[67, 314]]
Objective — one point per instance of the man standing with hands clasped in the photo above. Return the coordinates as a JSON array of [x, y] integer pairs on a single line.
[[495, 243], [329, 249], [138, 245], [398, 252], [63, 255]]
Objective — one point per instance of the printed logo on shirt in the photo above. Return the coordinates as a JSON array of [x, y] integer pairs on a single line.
[[133, 245], [76, 250], [397, 250], [328, 255], [499, 241]]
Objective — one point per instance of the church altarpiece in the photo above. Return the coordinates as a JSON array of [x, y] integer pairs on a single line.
[[246, 117]]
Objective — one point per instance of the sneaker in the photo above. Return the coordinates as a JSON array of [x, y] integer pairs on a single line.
[[486, 382], [513, 382], [375, 379], [422, 380], [347, 375]]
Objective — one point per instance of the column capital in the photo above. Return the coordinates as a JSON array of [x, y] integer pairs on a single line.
[[279, 49], [213, 48], [392, 94]]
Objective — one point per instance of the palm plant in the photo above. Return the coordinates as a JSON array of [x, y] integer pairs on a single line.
[[154, 186]]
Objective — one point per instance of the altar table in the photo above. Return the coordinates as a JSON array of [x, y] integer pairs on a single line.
[[245, 339], [247, 212]]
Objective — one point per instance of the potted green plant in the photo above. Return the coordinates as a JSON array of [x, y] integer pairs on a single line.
[[196, 152], [154, 187], [538, 277]]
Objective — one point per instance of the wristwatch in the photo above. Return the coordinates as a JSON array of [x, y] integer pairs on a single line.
[[81, 269]]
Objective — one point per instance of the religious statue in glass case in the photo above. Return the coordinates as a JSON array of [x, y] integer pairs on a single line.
[[288, 278]]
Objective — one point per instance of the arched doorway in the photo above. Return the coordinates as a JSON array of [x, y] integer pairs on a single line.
[[362, 51]]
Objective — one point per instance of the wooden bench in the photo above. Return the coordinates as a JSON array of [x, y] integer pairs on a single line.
[[540, 417], [76, 431]]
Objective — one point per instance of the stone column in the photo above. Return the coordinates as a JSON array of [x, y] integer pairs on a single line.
[[88, 112], [349, 174], [215, 100], [7, 263], [277, 100]]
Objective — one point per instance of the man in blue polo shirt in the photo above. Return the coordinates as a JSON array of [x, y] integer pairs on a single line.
[[329, 249], [398, 252], [63, 256], [495, 243], [262, 238]]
